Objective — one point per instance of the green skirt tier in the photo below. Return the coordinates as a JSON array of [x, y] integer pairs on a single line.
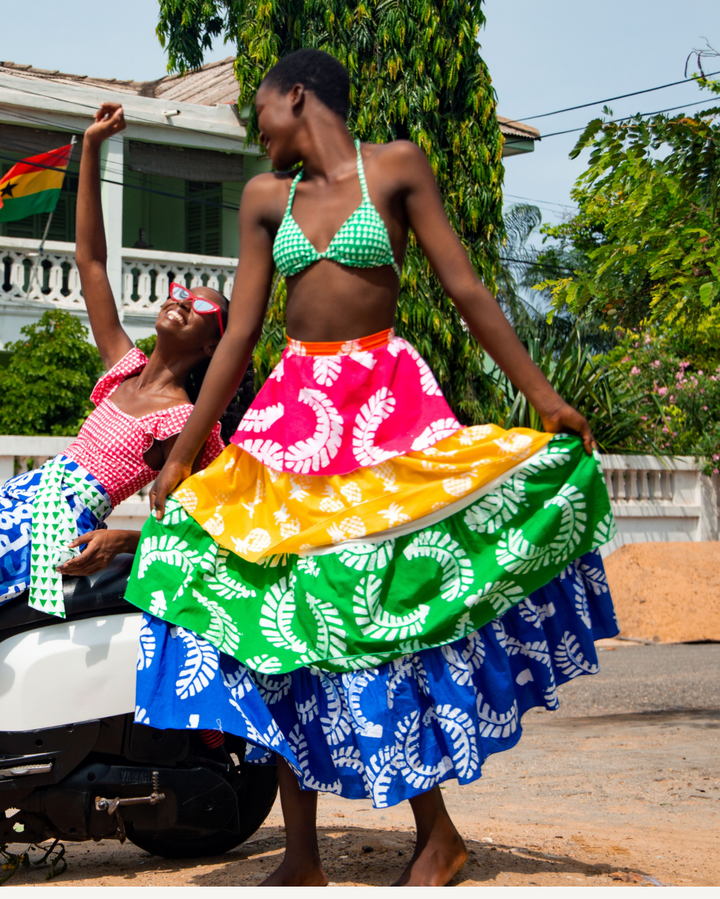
[[366, 602]]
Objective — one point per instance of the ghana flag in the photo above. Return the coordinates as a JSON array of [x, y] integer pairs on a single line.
[[33, 185]]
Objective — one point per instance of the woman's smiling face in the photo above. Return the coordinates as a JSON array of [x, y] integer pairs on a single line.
[[194, 330], [277, 121]]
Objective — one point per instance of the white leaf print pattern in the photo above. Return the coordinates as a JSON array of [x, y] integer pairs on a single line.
[[533, 614], [462, 665], [354, 685], [259, 420], [146, 648], [221, 581], [380, 772], [376, 623], [435, 432], [496, 724], [268, 452], [408, 758], [329, 642], [335, 725], [460, 728], [570, 658], [199, 665], [277, 613], [221, 631], [457, 577], [518, 555], [372, 414], [427, 378], [326, 369], [314, 453], [368, 556], [501, 596]]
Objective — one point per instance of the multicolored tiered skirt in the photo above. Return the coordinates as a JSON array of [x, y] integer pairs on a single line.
[[366, 587]]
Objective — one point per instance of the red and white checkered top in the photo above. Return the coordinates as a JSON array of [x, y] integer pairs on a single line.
[[111, 443]]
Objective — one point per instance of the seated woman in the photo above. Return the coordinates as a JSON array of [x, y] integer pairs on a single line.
[[141, 407]]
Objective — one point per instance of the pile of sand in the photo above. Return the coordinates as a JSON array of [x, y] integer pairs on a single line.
[[667, 592]]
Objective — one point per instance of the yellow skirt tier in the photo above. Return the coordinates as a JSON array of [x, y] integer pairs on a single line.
[[256, 512]]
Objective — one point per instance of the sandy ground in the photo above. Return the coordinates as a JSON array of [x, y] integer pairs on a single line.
[[619, 787], [667, 592]]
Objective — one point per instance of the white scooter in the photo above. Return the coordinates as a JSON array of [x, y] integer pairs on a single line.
[[74, 765]]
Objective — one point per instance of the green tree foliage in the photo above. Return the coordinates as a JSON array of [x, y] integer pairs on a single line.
[[415, 73], [45, 389], [647, 230]]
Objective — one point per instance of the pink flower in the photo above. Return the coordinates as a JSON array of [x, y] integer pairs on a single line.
[[662, 391], [647, 338], [634, 370], [656, 363], [700, 372], [705, 408], [715, 471]]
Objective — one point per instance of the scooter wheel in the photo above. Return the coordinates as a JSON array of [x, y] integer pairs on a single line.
[[254, 805]]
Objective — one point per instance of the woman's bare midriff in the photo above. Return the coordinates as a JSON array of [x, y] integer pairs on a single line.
[[330, 302]]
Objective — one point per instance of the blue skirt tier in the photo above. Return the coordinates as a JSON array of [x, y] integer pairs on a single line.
[[391, 732]]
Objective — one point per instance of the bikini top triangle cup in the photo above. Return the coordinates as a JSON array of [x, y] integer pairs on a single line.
[[361, 242]]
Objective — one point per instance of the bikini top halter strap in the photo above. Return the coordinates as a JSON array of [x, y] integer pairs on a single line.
[[361, 178]]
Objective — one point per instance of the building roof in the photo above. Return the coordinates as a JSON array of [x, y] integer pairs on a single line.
[[212, 85]]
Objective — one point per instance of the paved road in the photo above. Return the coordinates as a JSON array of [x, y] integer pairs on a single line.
[[641, 678], [618, 787]]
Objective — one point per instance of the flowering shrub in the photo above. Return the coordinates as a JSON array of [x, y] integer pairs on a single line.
[[681, 405]]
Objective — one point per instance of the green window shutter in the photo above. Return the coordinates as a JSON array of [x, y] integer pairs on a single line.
[[203, 219]]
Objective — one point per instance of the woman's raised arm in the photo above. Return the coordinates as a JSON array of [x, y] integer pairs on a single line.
[[91, 249], [484, 317]]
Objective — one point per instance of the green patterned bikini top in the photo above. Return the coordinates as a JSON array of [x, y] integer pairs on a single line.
[[361, 242]]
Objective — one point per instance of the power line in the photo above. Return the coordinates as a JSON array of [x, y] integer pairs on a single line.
[[541, 202], [648, 90], [642, 115]]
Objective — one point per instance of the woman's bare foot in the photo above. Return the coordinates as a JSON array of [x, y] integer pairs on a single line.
[[297, 873], [435, 863], [439, 849]]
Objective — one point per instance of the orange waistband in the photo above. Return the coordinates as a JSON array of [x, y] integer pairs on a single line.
[[340, 347]]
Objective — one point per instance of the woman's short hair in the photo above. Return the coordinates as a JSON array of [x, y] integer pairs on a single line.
[[318, 72]]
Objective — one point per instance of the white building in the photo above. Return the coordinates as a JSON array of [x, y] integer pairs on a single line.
[[171, 189]]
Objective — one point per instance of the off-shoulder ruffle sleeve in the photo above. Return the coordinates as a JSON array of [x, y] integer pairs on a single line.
[[132, 362], [170, 422]]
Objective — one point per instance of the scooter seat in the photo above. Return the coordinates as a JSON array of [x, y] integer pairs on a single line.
[[93, 596]]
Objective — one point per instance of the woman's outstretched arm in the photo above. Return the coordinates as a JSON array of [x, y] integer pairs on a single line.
[[91, 249], [484, 317], [251, 291]]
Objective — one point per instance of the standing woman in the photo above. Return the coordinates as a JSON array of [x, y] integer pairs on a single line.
[[364, 587]]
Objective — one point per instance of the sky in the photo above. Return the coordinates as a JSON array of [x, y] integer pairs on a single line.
[[542, 56]]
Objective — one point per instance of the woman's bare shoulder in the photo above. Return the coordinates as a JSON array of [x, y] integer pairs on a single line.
[[399, 157]]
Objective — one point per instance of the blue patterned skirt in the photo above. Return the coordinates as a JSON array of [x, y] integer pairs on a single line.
[[392, 732], [16, 507]]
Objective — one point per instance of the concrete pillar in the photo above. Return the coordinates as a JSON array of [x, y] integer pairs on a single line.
[[111, 171], [708, 496]]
